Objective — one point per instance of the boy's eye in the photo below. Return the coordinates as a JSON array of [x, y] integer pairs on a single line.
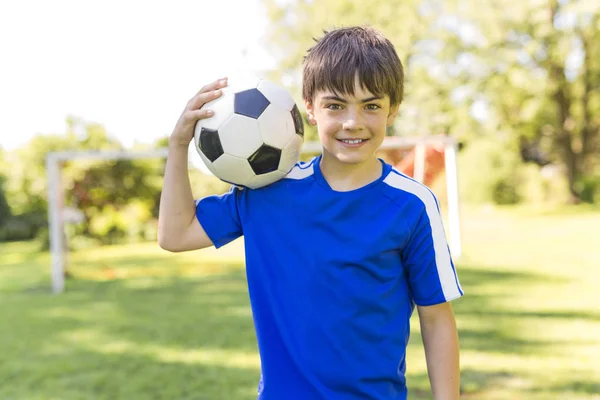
[[333, 107], [373, 107]]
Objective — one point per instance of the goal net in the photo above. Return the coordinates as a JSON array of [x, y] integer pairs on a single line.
[[430, 160]]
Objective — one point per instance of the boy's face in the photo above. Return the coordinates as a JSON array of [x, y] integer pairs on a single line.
[[351, 127]]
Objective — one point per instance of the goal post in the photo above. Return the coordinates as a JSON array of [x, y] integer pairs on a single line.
[[56, 198], [417, 146]]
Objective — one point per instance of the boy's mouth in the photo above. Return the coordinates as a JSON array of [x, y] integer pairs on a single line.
[[352, 141]]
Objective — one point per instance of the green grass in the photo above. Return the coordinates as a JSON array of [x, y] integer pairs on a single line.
[[139, 323]]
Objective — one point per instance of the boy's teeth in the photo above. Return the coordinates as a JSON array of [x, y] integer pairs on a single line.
[[355, 141]]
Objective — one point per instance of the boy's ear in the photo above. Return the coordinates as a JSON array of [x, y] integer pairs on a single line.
[[310, 112], [392, 115]]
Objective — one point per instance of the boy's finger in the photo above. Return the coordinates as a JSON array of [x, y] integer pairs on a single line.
[[195, 115], [202, 98], [219, 83]]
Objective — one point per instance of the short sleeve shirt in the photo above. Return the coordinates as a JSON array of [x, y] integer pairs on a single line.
[[333, 278]]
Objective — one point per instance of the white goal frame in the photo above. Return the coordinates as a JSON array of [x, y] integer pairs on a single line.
[[56, 217]]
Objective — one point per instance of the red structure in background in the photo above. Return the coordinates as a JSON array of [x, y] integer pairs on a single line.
[[404, 161]]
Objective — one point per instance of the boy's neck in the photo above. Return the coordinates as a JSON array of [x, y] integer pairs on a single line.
[[343, 177]]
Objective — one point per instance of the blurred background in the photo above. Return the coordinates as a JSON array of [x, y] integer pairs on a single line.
[[516, 83]]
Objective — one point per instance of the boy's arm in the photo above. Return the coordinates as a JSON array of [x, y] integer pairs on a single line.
[[178, 228], [440, 339]]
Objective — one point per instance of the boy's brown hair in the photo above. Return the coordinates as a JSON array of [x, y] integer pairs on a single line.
[[341, 54]]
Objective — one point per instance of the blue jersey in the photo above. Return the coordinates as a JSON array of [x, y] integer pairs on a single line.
[[333, 278]]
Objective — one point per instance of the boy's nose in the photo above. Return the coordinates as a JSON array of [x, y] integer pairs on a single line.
[[352, 123]]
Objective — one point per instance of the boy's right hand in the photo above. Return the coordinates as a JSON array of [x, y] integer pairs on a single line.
[[184, 129]]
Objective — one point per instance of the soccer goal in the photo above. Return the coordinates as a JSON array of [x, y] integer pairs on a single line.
[[424, 158]]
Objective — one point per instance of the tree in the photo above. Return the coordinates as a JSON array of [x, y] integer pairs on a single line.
[[527, 71], [536, 64]]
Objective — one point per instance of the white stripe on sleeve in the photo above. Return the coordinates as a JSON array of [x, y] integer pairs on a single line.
[[448, 280]]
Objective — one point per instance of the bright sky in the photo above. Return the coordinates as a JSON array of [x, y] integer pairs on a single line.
[[129, 65]]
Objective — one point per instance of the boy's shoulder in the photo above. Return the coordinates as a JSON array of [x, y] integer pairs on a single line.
[[403, 190]]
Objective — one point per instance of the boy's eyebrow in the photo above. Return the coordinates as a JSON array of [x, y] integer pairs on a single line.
[[368, 99], [336, 98]]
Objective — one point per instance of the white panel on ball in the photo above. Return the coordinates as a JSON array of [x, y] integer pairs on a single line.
[[240, 136], [290, 154], [265, 179], [276, 94], [273, 127], [223, 108], [233, 169]]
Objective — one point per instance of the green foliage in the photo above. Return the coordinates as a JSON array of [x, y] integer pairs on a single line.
[[129, 223], [490, 172], [119, 199], [543, 185], [13, 229], [5, 213], [26, 188], [22, 227], [501, 177], [589, 188]]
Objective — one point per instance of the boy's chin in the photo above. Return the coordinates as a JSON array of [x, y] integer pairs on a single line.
[[356, 158], [352, 160]]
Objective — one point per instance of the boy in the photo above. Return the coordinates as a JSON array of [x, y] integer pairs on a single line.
[[340, 250]]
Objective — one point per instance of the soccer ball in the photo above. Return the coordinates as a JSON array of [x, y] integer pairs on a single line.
[[255, 136]]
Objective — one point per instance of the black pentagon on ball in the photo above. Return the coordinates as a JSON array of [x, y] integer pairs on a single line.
[[250, 103], [210, 144], [298, 123], [265, 159]]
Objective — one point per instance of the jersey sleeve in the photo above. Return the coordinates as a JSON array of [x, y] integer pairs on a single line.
[[432, 277], [219, 216]]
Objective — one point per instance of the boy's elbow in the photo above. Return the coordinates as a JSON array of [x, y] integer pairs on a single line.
[[165, 243], [169, 247]]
